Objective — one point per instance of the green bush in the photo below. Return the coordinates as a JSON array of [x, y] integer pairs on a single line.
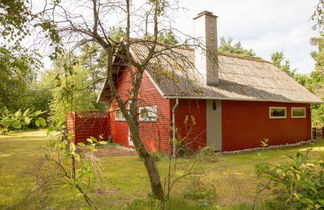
[[17, 120], [297, 184]]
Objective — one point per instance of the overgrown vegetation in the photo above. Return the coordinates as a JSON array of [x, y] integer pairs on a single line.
[[227, 181], [296, 184], [69, 165], [16, 120]]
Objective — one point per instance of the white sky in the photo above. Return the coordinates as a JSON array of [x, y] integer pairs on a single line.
[[265, 26]]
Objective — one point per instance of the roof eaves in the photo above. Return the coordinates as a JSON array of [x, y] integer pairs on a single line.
[[239, 99]]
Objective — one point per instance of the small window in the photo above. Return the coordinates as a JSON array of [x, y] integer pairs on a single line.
[[298, 112], [277, 112], [119, 115], [148, 113]]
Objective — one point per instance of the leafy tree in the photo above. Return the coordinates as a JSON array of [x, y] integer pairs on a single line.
[[228, 47], [164, 38], [19, 64], [71, 91], [315, 81], [317, 76], [318, 16], [93, 58], [16, 75], [168, 38], [278, 59]]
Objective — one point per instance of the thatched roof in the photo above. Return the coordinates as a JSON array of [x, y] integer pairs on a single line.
[[174, 75]]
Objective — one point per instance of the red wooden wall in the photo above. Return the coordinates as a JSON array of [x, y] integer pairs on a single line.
[[86, 124], [246, 124], [155, 135], [194, 133]]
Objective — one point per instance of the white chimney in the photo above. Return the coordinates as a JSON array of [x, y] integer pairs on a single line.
[[206, 61]]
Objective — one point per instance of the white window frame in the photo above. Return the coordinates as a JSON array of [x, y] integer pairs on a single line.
[[277, 117], [145, 119], [292, 112], [117, 118]]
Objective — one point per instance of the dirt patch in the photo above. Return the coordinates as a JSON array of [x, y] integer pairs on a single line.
[[114, 152]]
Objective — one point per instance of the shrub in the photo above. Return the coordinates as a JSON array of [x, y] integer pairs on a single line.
[[297, 184], [16, 120]]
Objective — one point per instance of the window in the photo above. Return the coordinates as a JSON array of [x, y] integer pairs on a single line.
[[277, 112], [298, 112], [119, 115], [148, 113]]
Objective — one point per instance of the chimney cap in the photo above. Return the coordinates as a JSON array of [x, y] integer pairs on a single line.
[[205, 13]]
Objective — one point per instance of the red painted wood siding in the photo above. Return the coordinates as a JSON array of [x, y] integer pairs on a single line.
[[194, 133], [246, 124], [155, 135]]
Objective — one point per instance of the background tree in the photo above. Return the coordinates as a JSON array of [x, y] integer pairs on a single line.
[[278, 59], [318, 17], [317, 76], [317, 79], [19, 64], [228, 47], [165, 38], [314, 82], [69, 86]]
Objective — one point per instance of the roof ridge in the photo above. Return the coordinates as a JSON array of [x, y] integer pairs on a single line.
[[184, 47], [245, 58]]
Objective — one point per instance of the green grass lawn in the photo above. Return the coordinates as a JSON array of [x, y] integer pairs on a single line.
[[232, 175]]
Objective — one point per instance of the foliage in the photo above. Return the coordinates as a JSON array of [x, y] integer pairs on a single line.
[[318, 16], [318, 114], [14, 19], [317, 76], [69, 165], [278, 59], [228, 47], [17, 73], [297, 184], [16, 120], [18, 63], [71, 89], [165, 38], [314, 82]]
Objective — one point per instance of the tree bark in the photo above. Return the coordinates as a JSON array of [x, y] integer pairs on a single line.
[[150, 165]]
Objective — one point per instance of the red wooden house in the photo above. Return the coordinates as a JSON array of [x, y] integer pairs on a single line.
[[222, 101]]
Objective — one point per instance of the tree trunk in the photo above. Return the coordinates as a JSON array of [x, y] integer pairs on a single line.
[[153, 173], [149, 162]]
